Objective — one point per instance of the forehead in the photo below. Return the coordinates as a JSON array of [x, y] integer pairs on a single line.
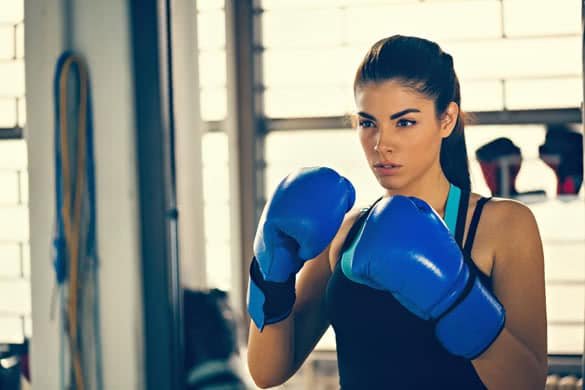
[[389, 96]]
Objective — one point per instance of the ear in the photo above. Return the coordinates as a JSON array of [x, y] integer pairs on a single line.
[[449, 119]]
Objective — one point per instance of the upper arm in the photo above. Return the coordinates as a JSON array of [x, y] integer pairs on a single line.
[[310, 315], [518, 276]]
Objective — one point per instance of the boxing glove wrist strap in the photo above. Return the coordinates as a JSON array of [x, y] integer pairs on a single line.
[[269, 302], [466, 290], [470, 327]]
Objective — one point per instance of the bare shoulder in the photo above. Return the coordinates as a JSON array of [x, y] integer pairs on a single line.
[[511, 227], [339, 238], [508, 214]]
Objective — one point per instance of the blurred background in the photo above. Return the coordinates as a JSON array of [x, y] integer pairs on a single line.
[[274, 80]]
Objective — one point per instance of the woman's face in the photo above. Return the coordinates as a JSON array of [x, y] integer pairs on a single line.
[[400, 132]]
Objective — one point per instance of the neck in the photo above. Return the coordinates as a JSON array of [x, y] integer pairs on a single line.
[[433, 188]]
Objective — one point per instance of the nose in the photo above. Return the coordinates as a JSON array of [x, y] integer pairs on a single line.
[[384, 141]]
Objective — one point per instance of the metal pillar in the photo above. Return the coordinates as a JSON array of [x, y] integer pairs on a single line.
[[245, 129], [152, 70]]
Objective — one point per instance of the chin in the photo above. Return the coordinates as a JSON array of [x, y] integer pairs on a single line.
[[391, 183]]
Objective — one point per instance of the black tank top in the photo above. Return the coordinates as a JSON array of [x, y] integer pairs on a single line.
[[380, 344]]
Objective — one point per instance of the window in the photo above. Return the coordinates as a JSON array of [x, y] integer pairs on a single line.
[[15, 321], [505, 61]]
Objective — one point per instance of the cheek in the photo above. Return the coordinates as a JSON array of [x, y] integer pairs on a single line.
[[367, 140], [425, 144], [429, 137]]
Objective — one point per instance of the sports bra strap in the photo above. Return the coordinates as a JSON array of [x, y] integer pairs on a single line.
[[473, 225]]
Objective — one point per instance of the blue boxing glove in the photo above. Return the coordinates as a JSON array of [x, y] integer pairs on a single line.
[[405, 248], [297, 224]]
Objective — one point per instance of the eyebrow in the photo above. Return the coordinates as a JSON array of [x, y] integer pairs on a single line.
[[393, 116]]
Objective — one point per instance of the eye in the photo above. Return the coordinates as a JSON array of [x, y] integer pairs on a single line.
[[366, 123], [405, 123]]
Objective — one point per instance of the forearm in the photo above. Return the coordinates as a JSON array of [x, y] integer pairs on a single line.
[[271, 352], [509, 364], [275, 356]]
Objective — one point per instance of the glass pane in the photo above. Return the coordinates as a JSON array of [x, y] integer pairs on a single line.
[[565, 339], [565, 303], [14, 226], [209, 4], [318, 72], [12, 78], [214, 149], [21, 112], [216, 188], [383, 2], [481, 95], [28, 326], [9, 188], [8, 112], [307, 102], [12, 11], [216, 209], [313, 147], [13, 154], [24, 186], [6, 42], [478, 183], [215, 185], [219, 266], [14, 296], [564, 261], [298, 68], [212, 69], [9, 260], [211, 30], [516, 58], [302, 4], [536, 175], [533, 175], [217, 217], [26, 261], [435, 21], [312, 4], [561, 220], [528, 17], [321, 27], [548, 93], [213, 104], [527, 137], [20, 40], [11, 329]]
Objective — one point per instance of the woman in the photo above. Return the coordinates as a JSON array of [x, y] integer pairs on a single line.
[[412, 306]]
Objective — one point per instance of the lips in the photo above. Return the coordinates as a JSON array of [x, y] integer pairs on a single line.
[[387, 165], [387, 168]]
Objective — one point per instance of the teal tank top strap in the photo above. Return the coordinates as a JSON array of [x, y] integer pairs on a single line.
[[452, 208], [347, 252], [347, 257]]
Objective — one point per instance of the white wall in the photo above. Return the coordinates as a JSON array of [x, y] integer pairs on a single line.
[[100, 34]]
